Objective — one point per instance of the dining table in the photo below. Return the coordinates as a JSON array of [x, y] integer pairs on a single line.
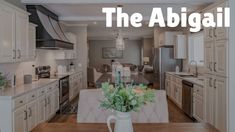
[[134, 78], [141, 127]]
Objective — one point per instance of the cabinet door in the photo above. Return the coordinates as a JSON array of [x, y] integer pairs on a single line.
[[56, 99], [208, 56], [20, 119], [220, 58], [22, 23], [32, 115], [50, 105], [220, 103], [7, 34], [31, 47], [208, 34], [167, 87], [179, 95], [209, 99], [198, 109], [42, 109]]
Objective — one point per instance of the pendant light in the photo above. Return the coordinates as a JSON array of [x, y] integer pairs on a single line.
[[120, 45]]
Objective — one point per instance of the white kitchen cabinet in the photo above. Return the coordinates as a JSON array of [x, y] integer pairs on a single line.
[[31, 47], [220, 57], [20, 119], [167, 38], [173, 86], [7, 34], [56, 100], [32, 120], [216, 108], [22, 113], [216, 47], [42, 109], [198, 103], [14, 32], [180, 47], [22, 24], [220, 103], [50, 105], [75, 82], [209, 56]]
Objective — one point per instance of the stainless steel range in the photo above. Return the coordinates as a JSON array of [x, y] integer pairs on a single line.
[[43, 72]]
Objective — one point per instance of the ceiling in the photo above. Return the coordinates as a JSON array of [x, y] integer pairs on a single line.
[[89, 12]]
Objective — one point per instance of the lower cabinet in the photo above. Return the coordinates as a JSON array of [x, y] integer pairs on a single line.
[[216, 108], [198, 103], [42, 109], [75, 85], [32, 120], [24, 113], [20, 119], [173, 85]]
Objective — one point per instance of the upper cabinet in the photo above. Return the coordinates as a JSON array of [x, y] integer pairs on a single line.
[[31, 47], [14, 34], [7, 34], [180, 47], [216, 47], [22, 25], [167, 38]]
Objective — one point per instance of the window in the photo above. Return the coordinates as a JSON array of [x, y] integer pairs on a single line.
[[196, 48]]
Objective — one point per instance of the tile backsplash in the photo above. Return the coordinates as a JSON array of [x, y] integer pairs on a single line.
[[44, 57]]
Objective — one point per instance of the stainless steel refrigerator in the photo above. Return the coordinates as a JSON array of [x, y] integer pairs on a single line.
[[163, 61]]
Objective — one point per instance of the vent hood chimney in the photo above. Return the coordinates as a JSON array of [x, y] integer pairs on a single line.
[[49, 33]]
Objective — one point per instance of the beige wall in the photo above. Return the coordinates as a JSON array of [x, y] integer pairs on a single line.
[[148, 45], [131, 54]]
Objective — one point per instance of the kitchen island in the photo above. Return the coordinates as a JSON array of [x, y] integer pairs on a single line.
[[96, 127]]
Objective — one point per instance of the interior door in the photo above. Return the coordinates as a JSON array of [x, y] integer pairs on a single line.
[[20, 119], [7, 34], [22, 23]]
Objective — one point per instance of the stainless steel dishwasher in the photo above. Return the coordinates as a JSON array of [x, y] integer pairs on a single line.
[[187, 98]]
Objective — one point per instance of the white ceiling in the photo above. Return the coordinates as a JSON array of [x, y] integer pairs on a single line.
[[88, 12]]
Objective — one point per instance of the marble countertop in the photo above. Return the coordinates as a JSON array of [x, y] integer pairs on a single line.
[[23, 89], [195, 80]]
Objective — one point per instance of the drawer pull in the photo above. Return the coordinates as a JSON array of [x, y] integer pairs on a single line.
[[25, 112], [21, 101], [33, 96]]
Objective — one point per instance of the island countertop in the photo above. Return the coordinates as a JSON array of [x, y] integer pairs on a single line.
[[158, 127], [136, 78]]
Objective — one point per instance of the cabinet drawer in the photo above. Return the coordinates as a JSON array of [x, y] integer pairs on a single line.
[[32, 96], [198, 90], [20, 101], [178, 81], [42, 91]]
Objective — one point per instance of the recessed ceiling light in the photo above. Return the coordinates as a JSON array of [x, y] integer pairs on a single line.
[[95, 22]]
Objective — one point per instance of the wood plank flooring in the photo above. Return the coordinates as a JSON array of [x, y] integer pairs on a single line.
[[175, 115]]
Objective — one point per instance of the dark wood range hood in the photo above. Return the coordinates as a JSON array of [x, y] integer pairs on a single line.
[[49, 33]]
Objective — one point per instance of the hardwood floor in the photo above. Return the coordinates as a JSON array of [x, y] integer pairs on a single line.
[[175, 115]]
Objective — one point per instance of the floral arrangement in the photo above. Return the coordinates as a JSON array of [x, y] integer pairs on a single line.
[[126, 98], [3, 80]]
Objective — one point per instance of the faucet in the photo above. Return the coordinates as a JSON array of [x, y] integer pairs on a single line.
[[196, 68]]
